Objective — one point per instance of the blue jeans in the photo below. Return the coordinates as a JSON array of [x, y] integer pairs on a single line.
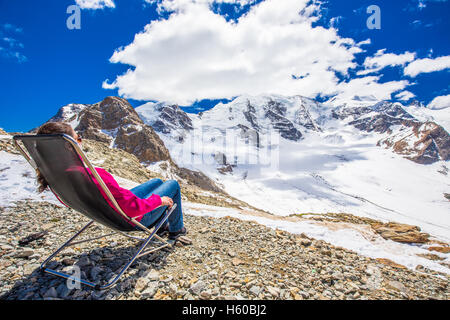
[[171, 189]]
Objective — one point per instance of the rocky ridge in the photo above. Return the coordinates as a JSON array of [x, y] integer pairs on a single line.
[[114, 121], [421, 142]]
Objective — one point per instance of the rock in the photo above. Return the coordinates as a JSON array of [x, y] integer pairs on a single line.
[[28, 269], [32, 237], [440, 249], [205, 295], [173, 288], [63, 291], [97, 295], [197, 260], [390, 263], [197, 287], [24, 253], [166, 280], [95, 272], [304, 294], [6, 247], [255, 290], [230, 274], [305, 242], [150, 291], [396, 285], [153, 275], [370, 270], [83, 262], [375, 279], [141, 284], [275, 292], [68, 261], [231, 253], [95, 258], [213, 274], [401, 233], [227, 297], [235, 284], [51, 293]]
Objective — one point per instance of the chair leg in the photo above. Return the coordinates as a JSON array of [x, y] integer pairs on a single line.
[[68, 242], [138, 254]]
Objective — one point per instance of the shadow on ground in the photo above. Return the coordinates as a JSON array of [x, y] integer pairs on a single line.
[[99, 265]]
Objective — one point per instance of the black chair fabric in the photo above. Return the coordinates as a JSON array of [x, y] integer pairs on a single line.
[[69, 179]]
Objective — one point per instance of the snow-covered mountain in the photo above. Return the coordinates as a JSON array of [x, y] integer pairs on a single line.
[[115, 122], [422, 142], [292, 155]]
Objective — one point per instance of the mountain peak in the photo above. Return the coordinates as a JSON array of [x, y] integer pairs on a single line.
[[114, 121]]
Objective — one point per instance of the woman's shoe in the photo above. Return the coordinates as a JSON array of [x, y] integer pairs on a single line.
[[164, 230], [175, 235]]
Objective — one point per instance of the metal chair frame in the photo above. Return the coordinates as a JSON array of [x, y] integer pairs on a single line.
[[145, 241]]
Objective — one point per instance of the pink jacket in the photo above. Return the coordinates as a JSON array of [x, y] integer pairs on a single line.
[[132, 205]]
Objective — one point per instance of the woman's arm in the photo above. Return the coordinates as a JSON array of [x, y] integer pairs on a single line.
[[132, 205]]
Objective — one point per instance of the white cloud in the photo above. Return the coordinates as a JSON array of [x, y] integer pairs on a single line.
[[423, 3], [95, 4], [9, 46], [12, 28], [427, 65], [13, 42], [12, 54], [367, 86], [405, 95], [365, 42], [196, 54], [334, 22], [382, 60], [440, 102], [179, 4]]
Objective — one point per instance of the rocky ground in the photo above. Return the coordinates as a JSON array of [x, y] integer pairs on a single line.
[[229, 259]]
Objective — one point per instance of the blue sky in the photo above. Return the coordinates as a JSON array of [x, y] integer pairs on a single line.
[[190, 55]]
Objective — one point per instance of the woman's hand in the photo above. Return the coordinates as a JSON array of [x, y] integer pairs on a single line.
[[166, 201]]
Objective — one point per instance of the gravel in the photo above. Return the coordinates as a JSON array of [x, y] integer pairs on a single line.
[[229, 259]]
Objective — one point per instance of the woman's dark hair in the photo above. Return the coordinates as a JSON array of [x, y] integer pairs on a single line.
[[51, 128]]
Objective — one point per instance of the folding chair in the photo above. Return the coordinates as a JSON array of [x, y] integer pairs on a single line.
[[70, 177]]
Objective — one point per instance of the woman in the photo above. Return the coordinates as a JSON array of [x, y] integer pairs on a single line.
[[147, 201]]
